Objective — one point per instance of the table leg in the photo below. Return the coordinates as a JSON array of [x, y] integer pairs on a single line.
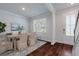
[[15, 43]]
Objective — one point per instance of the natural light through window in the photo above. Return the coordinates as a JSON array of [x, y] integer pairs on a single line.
[[70, 24], [39, 25]]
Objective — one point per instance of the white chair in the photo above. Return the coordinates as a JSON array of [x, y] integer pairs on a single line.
[[32, 39], [22, 42], [5, 45]]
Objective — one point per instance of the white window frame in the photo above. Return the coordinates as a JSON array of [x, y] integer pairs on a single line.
[[38, 26]]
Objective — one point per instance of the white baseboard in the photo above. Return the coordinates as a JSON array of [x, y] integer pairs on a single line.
[[52, 43], [65, 42]]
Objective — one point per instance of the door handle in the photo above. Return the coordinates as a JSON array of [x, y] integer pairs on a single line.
[[64, 30]]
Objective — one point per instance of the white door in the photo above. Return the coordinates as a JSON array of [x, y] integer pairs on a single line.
[[68, 30]]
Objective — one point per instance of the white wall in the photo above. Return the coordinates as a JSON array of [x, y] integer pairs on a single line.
[[8, 18], [48, 35], [60, 25]]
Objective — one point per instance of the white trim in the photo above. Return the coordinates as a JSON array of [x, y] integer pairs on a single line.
[[52, 43], [52, 10]]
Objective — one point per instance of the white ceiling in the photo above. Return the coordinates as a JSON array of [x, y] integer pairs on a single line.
[[32, 9], [61, 6]]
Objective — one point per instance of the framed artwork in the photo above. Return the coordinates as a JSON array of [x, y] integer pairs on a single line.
[[14, 26]]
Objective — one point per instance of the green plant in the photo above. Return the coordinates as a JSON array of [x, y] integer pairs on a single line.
[[20, 28], [2, 27]]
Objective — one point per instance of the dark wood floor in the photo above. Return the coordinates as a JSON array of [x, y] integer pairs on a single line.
[[58, 49]]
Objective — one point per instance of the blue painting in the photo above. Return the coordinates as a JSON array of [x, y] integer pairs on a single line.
[[14, 26]]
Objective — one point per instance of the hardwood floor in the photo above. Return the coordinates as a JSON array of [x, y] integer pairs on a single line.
[[58, 49]]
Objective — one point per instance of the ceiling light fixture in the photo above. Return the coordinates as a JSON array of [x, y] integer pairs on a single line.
[[72, 3], [23, 9]]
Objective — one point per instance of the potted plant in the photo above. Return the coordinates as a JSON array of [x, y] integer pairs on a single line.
[[20, 28], [2, 27]]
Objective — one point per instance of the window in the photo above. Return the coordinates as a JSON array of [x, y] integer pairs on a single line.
[[39, 25], [70, 24]]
